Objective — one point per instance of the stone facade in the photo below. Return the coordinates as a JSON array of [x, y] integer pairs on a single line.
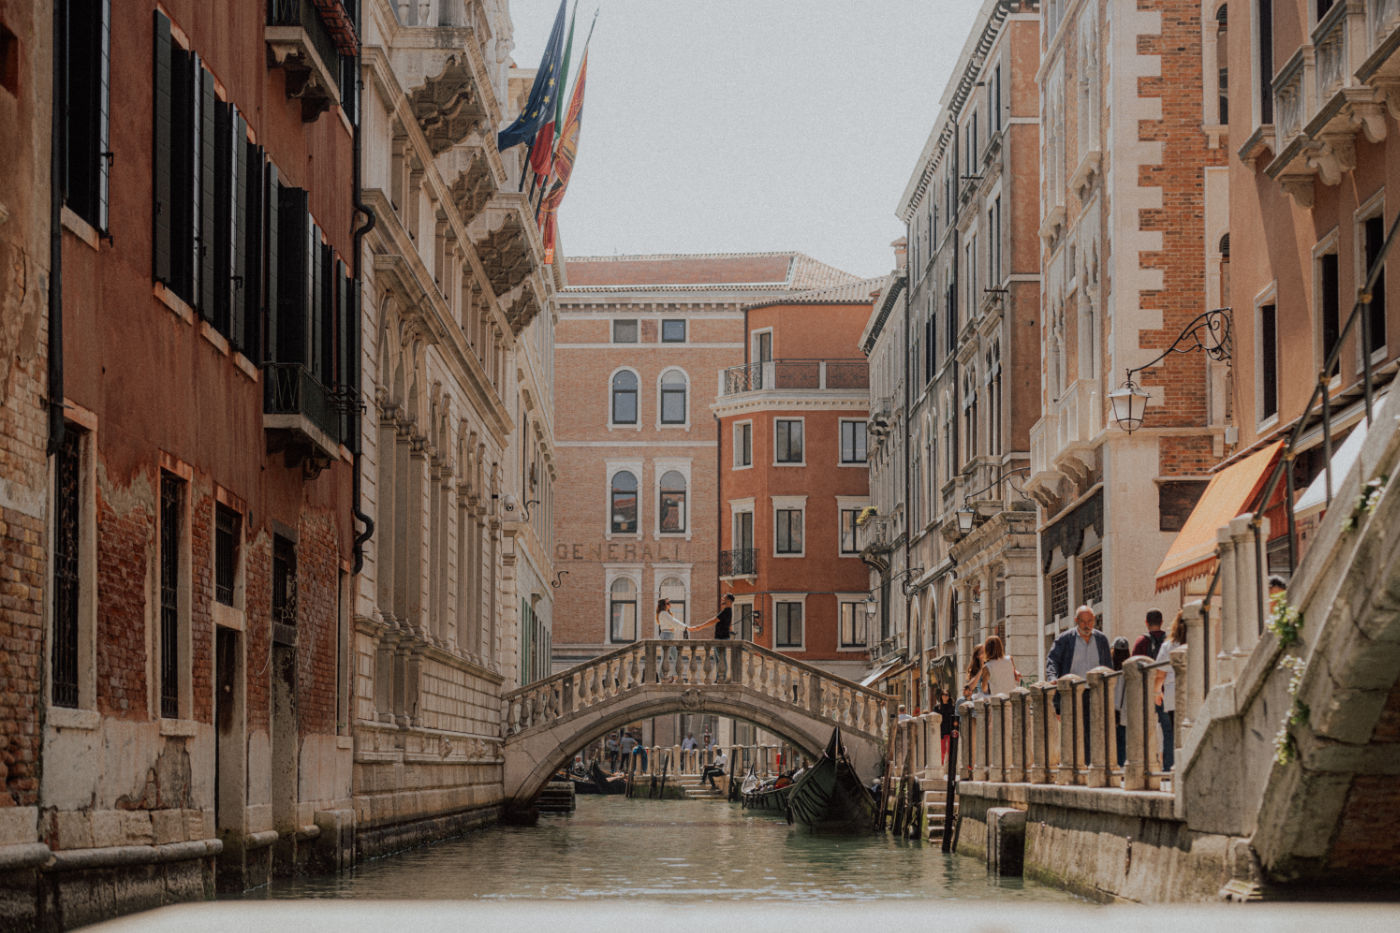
[[451, 605]]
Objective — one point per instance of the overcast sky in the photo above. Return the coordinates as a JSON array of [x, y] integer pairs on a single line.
[[750, 125]]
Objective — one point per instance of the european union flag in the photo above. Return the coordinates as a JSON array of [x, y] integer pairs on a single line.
[[539, 109]]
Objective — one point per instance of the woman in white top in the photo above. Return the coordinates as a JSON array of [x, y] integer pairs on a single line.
[[999, 674], [669, 628], [1165, 684]]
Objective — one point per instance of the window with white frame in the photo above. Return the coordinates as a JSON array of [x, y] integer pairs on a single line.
[[622, 610], [788, 522], [622, 498], [787, 441], [624, 331], [853, 624], [853, 442], [1266, 380], [623, 409], [672, 503], [673, 397], [673, 330], [743, 444], [787, 623], [1328, 298], [848, 516]]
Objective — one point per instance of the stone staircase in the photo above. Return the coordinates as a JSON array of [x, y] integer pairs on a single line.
[[557, 797], [937, 821], [696, 789]]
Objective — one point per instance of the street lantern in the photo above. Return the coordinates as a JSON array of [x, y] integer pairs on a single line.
[[1129, 406], [871, 606], [966, 519]]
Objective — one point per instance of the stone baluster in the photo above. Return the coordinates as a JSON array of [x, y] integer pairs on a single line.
[[651, 672], [980, 765], [1018, 708], [1071, 730], [1256, 577], [996, 733], [1103, 739], [1143, 759], [1177, 656], [1231, 593], [1191, 683], [814, 695]]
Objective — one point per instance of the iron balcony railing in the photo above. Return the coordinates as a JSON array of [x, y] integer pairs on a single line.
[[738, 562], [291, 389], [304, 14], [795, 374]]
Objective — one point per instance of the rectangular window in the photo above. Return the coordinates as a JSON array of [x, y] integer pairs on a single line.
[[743, 444], [848, 531], [853, 618], [1268, 361], [172, 498], [284, 589], [853, 442], [672, 515], [624, 331], [622, 623], [789, 625], [1059, 594], [1329, 304], [227, 525], [1373, 234], [1091, 575], [673, 331], [788, 440], [67, 555], [788, 529], [673, 390], [743, 531], [83, 100]]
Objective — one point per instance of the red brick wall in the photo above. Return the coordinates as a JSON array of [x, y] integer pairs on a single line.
[[22, 569], [124, 539]]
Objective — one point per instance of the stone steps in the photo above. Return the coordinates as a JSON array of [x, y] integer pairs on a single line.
[[557, 797]]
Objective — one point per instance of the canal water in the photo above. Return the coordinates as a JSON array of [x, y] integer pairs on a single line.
[[683, 851]]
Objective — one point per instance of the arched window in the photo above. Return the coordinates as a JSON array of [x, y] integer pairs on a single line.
[[622, 610], [672, 504], [624, 397], [624, 503], [673, 389]]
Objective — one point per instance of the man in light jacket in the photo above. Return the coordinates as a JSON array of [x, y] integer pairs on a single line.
[[1078, 651]]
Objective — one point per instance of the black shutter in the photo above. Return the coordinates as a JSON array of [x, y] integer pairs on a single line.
[[184, 157], [226, 150], [327, 339], [104, 99], [293, 277], [161, 157], [272, 290], [315, 289], [347, 320], [240, 283], [252, 241], [208, 213]]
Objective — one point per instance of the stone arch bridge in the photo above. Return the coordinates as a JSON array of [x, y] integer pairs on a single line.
[[550, 720]]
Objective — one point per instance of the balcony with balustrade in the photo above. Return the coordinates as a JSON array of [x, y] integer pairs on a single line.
[[1338, 83], [784, 377]]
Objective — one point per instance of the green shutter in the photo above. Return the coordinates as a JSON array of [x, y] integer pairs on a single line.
[[104, 100], [226, 150], [206, 252], [161, 160], [240, 283]]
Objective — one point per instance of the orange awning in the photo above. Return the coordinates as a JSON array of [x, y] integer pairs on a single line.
[[1229, 493]]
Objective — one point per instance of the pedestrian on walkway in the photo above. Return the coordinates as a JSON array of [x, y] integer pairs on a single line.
[[974, 678], [1165, 691], [1121, 653], [1147, 645], [715, 768], [999, 674], [1078, 651], [947, 714], [668, 627], [689, 743]]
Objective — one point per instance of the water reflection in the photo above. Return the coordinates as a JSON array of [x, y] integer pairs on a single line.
[[680, 851]]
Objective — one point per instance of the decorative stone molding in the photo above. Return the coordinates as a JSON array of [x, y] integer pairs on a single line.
[[1298, 186], [1331, 156], [449, 106], [308, 78]]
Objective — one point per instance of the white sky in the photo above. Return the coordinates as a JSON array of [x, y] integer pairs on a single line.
[[750, 125]]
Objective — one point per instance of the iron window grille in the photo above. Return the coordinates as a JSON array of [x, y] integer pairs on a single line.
[[66, 580], [227, 524], [171, 506]]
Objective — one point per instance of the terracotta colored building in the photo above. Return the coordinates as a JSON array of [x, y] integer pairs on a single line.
[[639, 343], [195, 701], [793, 478]]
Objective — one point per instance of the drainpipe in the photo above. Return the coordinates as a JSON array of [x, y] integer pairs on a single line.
[[909, 517], [56, 160], [358, 238]]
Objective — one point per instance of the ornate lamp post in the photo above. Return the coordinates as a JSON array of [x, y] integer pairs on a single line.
[[1209, 333]]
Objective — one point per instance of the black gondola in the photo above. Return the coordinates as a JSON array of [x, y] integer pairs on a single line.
[[757, 795], [606, 784], [830, 796]]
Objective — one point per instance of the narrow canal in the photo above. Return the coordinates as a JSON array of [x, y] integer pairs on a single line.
[[680, 851]]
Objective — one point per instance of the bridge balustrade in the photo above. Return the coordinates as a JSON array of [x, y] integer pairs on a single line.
[[694, 664]]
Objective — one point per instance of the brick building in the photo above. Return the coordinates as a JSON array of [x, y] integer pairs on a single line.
[[1133, 207], [793, 477], [452, 606], [639, 344], [956, 556]]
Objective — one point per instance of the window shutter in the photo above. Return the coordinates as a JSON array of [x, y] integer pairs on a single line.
[[315, 285], [252, 242], [272, 291], [208, 213], [293, 277], [347, 320], [225, 232], [326, 310], [104, 99], [184, 164], [240, 283], [161, 160]]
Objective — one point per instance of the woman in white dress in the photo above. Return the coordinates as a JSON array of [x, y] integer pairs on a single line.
[[668, 627], [999, 674]]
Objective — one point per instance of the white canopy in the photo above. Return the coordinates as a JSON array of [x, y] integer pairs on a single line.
[[1314, 497]]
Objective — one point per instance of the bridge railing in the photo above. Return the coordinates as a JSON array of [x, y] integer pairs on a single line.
[[674, 761], [683, 665]]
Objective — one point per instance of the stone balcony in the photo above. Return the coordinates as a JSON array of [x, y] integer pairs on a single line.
[[1337, 84], [1065, 439], [783, 376]]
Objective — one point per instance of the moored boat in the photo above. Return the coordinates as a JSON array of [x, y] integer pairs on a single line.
[[760, 795], [830, 796], [606, 784]]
